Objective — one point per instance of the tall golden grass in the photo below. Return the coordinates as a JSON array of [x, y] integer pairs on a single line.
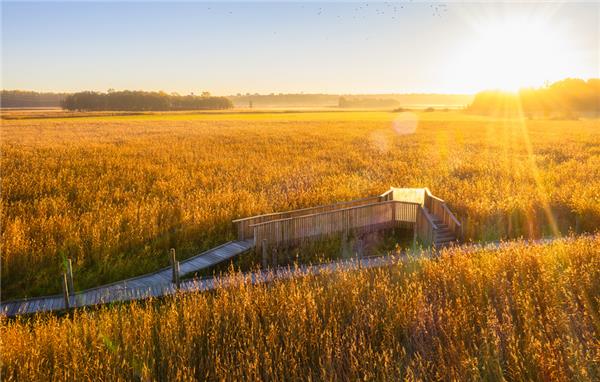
[[522, 312], [115, 192]]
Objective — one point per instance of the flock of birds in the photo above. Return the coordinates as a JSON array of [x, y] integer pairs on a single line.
[[364, 10], [381, 9]]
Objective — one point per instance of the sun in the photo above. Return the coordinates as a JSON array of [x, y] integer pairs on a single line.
[[513, 53]]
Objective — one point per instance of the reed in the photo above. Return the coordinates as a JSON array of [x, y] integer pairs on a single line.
[[522, 312], [115, 193]]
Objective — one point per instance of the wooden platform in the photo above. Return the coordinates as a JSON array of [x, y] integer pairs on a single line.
[[414, 208]]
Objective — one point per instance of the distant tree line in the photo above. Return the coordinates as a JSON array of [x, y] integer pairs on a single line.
[[142, 101], [354, 102], [22, 98], [283, 100], [351, 100], [569, 97]]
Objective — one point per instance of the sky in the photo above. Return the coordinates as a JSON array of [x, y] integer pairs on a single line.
[[283, 47]]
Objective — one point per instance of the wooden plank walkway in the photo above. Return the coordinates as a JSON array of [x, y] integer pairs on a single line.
[[154, 284], [430, 218], [283, 273]]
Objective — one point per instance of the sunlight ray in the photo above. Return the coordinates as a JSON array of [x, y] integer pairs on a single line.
[[541, 189]]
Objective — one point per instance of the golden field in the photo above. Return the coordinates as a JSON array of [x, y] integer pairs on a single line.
[[522, 312], [115, 192]]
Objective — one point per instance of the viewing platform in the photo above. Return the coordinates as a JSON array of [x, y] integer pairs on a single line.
[[429, 216]]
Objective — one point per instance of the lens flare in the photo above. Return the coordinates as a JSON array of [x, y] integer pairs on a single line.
[[405, 123]]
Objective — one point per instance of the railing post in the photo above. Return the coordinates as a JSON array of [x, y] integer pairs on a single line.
[[431, 236], [70, 277], [274, 257], [241, 227], [416, 227], [285, 236], [177, 280], [286, 248], [174, 266], [359, 252], [265, 258], [65, 285], [415, 237], [255, 235]]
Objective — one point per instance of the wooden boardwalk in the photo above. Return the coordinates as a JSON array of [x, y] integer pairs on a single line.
[[286, 272], [430, 218], [154, 284]]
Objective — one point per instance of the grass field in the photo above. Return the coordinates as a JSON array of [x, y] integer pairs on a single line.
[[115, 192], [525, 312]]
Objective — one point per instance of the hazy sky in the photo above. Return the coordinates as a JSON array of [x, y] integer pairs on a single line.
[[227, 48]]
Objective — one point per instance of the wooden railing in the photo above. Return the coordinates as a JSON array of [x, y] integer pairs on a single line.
[[244, 230], [387, 196], [355, 219], [424, 226], [439, 208], [415, 208]]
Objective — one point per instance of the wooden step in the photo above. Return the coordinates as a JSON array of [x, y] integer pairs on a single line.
[[443, 237], [445, 232], [444, 244]]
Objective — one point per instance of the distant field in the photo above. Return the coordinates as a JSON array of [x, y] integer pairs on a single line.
[[525, 312], [115, 192]]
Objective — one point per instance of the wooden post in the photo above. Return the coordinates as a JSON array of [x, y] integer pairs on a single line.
[[274, 257], [288, 240], [176, 271], [415, 235], [265, 257], [173, 262], [70, 277], [347, 225], [65, 285], [359, 251]]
